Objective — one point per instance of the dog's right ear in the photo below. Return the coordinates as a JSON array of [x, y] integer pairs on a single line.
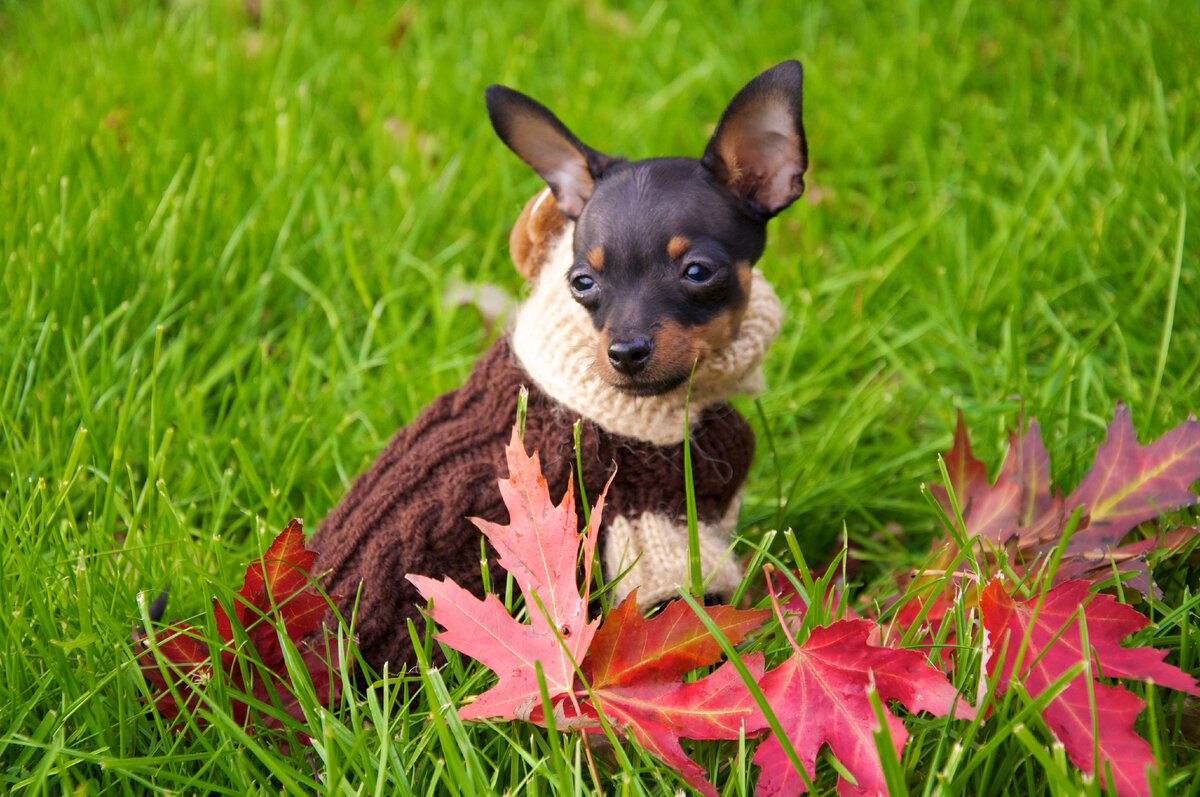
[[758, 151], [568, 166]]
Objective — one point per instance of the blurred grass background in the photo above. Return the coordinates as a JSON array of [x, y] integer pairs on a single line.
[[226, 229]]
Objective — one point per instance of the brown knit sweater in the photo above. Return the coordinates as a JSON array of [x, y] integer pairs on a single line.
[[408, 513]]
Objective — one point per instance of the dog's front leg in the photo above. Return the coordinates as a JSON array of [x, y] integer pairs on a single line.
[[650, 553]]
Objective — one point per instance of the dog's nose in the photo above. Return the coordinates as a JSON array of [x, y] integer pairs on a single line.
[[630, 357]]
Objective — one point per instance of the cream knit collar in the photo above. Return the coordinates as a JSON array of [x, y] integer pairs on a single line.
[[554, 340]]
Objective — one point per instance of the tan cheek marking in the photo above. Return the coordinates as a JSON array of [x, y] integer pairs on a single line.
[[520, 244], [682, 345], [717, 333], [675, 347], [677, 246], [595, 258]]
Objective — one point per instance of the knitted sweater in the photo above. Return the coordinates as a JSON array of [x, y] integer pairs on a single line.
[[408, 513]]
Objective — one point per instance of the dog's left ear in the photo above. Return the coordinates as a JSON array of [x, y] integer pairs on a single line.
[[758, 150], [568, 166]]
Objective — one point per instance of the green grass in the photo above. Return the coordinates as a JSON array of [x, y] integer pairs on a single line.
[[224, 245]]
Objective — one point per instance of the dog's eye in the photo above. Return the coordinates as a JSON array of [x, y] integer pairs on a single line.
[[582, 284], [698, 272]]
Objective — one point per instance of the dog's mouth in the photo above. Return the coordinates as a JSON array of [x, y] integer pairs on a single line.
[[646, 386]]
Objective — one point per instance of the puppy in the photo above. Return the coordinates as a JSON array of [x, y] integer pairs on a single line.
[[645, 309]]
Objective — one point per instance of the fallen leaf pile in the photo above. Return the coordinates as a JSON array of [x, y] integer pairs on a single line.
[[1016, 575], [1018, 519]]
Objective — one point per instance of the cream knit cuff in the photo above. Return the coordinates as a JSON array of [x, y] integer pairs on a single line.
[[653, 549]]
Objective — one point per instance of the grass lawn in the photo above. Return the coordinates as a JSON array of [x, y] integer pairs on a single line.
[[226, 230]]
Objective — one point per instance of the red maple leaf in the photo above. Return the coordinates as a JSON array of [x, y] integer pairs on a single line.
[[820, 696], [276, 590], [277, 597], [989, 510], [186, 667], [1098, 565], [1053, 643], [540, 547], [1126, 485], [1131, 483], [629, 649], [636, 669]]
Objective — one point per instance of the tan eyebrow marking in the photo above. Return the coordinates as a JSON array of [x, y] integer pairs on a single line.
[[677, 246], [595, 258]]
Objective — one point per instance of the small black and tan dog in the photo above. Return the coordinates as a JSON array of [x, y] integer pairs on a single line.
[[645, 309]]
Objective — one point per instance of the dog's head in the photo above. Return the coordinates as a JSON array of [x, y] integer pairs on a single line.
[[664, 248]]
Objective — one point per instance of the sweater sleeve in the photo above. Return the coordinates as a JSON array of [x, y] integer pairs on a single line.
[[409, 512]]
